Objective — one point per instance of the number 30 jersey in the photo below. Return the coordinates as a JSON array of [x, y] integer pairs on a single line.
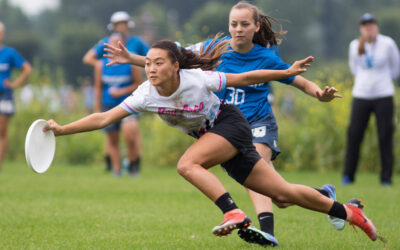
[[251, 100]]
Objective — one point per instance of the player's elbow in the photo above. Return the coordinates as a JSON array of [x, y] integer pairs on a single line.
[[27, 68]]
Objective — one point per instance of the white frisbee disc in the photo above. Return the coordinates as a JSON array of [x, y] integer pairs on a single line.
[[39, 146]]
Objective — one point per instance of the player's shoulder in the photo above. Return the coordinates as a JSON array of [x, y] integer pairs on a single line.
[[209, 41], [191, 73], [8, 49], [135, 39], [354, 42], [386, 39], [258, 49]]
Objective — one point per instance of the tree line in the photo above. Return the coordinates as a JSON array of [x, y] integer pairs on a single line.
[[60, 37]]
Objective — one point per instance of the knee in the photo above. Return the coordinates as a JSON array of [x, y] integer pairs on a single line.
[[281, 205], [184, 168], [282, 198]]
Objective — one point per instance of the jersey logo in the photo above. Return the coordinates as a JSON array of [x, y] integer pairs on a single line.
[[259, 132]]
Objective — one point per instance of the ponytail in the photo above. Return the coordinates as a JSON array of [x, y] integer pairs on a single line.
[[361, 46]]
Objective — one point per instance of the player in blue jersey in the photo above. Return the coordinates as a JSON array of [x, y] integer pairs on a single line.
[[253, 45], [120, 23], [9, 59], [112, 85]]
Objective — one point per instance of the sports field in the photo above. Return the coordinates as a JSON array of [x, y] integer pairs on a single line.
[[79, 207]]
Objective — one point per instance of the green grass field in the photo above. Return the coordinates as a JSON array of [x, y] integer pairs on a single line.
[[78, 207]]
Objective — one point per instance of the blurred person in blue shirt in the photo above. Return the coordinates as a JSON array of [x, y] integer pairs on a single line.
[[120, 22], [113, 84], [9, 59]]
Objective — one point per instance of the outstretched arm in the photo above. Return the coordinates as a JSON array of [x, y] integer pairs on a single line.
[[90, 58], [121, 55], [259, 76], [312, 89], [88, 123]]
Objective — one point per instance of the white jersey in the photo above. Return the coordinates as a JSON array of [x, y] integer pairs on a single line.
[[192, 108], [376, 69]]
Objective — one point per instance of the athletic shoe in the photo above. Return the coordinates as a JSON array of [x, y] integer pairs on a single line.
[[346, 180], [254, 235], [337, 223], [107, 160], [134, 168], [233, 219], [360, 220], [117, 173]]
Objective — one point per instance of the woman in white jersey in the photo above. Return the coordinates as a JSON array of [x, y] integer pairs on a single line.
[[375, 62], [181, 93]]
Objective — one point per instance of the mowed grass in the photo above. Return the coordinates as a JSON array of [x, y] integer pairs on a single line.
[[80, 207]]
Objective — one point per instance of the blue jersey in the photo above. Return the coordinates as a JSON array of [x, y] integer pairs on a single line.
[[9, 59], [134, 44], [251, 100], [115, 76]]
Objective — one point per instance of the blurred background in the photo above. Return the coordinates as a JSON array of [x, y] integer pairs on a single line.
[[54, 35]]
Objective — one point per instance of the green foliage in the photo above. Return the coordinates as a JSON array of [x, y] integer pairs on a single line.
[[74, 41], [389, 22], [313, 137], [155, 22], [47, 104], [207, 21], [162, 145]]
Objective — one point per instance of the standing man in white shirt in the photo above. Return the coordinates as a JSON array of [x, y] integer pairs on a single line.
[[375, 62]]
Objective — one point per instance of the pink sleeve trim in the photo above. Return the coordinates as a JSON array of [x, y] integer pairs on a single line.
[[127, 106]]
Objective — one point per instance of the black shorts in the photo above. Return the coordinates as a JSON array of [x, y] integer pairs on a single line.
[[233, 126]]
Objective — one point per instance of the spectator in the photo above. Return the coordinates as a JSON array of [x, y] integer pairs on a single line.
[[374, 61]]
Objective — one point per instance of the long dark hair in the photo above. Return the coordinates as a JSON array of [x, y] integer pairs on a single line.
[[207, 59], [266, 36], [361, 46]]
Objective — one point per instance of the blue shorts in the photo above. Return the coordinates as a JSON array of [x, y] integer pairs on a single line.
[[116, 126], [7, 105], [266, 131]]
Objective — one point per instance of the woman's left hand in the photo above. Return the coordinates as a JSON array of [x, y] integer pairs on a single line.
[[328, 94], [299, 67]]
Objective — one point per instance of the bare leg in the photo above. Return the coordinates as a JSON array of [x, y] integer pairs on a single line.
[[210, 150], [131, 133], [4, 120], [261, 202], [265, 180], [112, 145]]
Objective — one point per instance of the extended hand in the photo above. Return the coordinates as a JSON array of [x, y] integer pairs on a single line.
[[53, 126], [328, 94], [298, 67], [117, 55]]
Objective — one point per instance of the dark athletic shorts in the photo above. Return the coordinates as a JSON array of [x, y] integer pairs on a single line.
[[7, 105], [233, 126], [117, 126], [266, 131]]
